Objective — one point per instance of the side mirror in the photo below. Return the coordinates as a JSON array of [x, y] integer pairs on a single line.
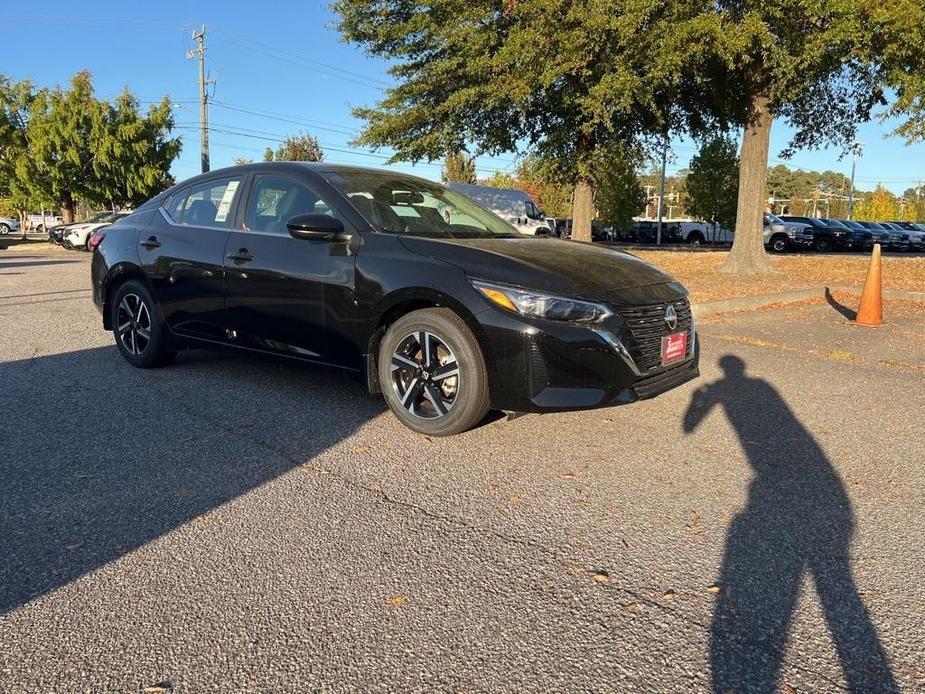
[[314, 225]]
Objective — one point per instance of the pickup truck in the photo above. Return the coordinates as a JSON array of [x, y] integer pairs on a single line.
[[41, 223]]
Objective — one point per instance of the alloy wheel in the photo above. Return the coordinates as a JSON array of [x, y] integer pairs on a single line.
[[134, 324], [425, 375]]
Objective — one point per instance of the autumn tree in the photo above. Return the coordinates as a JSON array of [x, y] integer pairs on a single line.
[[499, 179], [301, 147], [713, 182], [458, 167], [879, 206]]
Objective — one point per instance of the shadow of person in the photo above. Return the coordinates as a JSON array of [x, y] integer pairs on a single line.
[[798, 519]]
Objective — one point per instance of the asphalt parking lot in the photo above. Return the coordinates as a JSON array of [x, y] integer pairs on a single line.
[[235, 524]]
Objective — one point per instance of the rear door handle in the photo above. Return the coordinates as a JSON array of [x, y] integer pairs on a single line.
[[151, 243], [243, 255]]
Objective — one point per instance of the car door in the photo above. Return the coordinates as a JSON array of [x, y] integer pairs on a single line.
[[289, 295], [182, 251]]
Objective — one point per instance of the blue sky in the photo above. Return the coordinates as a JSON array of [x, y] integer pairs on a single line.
[[280, 68]]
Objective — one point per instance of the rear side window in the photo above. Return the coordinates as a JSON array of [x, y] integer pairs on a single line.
[[208, 204]]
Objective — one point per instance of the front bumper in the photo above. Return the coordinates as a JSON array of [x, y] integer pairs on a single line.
[[546, 366]]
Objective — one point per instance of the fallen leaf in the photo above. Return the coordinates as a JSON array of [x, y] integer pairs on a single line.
[[713, 588], [630, 607], [515, 499], [669, 595], [398, 600], [159, 687], [567, 475], [601, 576], [624, 545], [787, 688], [363, 449]]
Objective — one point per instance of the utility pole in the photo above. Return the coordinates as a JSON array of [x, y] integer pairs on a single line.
[[855, 150], [661, 195], [200, 38]]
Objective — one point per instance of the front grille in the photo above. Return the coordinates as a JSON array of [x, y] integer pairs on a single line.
[[647, 327], [667, 379]]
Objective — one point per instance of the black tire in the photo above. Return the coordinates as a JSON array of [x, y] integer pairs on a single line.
[[779, 243], [823, 245], [40, 229], [145, 342], [4, 229], [439, 401]]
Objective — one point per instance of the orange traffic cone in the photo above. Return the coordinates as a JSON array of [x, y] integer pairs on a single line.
[[870, 312]]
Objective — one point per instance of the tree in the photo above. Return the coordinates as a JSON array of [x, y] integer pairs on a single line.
[[619, 197], [500, 179], [61, 146], [558, 79], [713, 182], [458, 168], [880, 206], [301, 147], [820, 67]]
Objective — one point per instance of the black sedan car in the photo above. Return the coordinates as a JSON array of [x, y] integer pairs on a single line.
[[358, 269], [826, 237]]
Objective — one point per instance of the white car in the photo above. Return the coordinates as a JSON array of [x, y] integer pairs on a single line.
[[8, 224], [514, 206], [79, 234], [40, 223]]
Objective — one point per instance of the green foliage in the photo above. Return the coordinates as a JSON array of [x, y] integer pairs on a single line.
[[301, 147], [500, 179], [61, 146], [458, 168], [619, 195], [713, 182]]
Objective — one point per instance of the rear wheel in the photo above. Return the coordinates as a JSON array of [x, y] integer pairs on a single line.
[[140, 336], [432, 373], [4, 229], [823, 245]]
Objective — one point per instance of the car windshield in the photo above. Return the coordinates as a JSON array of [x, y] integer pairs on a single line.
[[397, 204], [101, 217], [835, 223], [772, 218]]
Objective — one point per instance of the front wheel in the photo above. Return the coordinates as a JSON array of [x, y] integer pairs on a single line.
[[779, 244], [140, 335], [432, 373], [823, 245], [4, 229]]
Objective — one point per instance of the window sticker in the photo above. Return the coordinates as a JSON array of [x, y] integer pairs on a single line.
[[225, 204]]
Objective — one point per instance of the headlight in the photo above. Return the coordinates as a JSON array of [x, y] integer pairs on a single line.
[[531, 303]]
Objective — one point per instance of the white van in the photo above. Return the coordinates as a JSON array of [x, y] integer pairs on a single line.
[[513, 206]]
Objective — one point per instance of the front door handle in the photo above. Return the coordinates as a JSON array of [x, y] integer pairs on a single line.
[[243, 255], [150, 243]]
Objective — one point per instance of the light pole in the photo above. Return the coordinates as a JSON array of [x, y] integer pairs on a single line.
[[856, 149]]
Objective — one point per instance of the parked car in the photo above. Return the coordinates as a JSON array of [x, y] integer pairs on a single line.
[[514, 206], [317, 262], [646, 231], [825, 237], [8, 224], [878, 233], [911, 239], [854, 239], [780, 236], [900, 238], [40, 223], [78, 234]]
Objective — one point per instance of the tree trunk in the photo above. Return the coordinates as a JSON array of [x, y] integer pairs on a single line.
[[747, 255], [582, 211], [67, 208]]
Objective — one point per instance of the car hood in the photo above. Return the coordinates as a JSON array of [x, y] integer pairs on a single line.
[[568, 268]]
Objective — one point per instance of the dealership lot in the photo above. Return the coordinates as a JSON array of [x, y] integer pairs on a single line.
[[238, 524]]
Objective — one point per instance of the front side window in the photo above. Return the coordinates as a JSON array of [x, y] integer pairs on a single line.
[[533, 212], [397, 204], [206, 204], [275, 200]]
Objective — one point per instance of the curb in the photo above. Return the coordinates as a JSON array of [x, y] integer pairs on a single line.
[[749, 303]]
